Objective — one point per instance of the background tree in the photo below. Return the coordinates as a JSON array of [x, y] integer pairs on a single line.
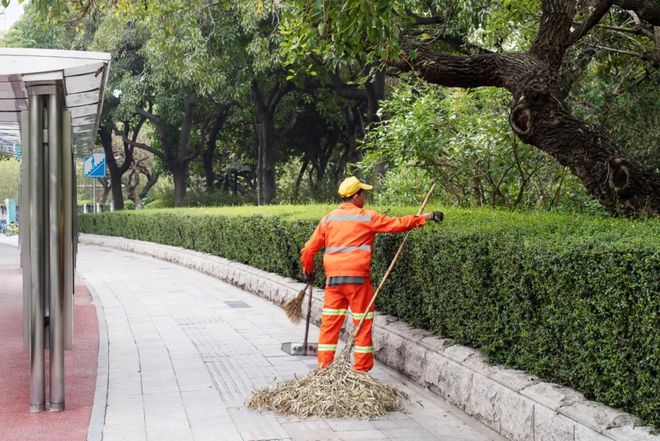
[[440, 41]]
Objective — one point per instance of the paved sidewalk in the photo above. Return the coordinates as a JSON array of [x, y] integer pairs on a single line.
[[9, 240], [186, 350]]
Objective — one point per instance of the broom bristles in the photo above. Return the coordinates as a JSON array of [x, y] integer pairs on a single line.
[[293, 307], [335, 391]]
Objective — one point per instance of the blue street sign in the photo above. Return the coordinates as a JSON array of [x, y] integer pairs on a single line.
[[94, 166]]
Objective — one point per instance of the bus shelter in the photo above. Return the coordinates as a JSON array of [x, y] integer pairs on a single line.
[[50, 103]]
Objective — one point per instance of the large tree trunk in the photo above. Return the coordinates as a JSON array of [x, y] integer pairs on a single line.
[[268, 158], [209, 173], [117, 193], [105, 191], [211, 146], [539, 118], [179, 172], [176, 151], [354, 131], [116, 171], [266, 106], [132, 181]]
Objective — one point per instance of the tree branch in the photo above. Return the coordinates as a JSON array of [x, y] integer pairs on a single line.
[[277, 94], [345, 90], [573, 70], [635, 30], [552, 39], [618, 51], [145, 147], [162, 133], [601, 9], [128, 152], [150, 116], [138, 127], [496, 69], [647, 10]]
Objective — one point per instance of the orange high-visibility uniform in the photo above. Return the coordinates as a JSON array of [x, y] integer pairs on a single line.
[[347, 234]]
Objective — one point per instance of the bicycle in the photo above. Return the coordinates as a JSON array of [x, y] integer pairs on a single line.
[[10, 229]]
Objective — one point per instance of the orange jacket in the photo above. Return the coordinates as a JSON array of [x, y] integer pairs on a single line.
[[347, 233]]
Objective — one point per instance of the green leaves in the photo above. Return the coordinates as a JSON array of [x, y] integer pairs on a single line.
[[339, 32], [462, 139]]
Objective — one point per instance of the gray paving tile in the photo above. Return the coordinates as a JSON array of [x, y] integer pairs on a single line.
[[217, 432], [349, 424], [311, 431], [124, 432], [359, 435], [267, 428], [410, 434]]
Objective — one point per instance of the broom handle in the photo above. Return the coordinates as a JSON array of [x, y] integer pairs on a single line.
[[309, 314], [389, 270]]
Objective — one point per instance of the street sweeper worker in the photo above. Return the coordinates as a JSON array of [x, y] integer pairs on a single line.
[[347, 234]]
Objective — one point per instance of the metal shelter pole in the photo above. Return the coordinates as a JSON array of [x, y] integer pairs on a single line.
[[69, 206], [56, 250], [37, 254], [24, 231]]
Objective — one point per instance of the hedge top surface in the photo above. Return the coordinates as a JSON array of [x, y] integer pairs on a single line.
[[457, 220]]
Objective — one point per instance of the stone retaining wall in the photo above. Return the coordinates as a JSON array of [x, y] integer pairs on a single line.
[[517, 405]]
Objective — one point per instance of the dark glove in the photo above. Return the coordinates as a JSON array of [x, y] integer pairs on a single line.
[[310, 278], [438, 216]]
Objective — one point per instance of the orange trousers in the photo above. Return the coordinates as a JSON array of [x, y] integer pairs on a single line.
[[337, 300]]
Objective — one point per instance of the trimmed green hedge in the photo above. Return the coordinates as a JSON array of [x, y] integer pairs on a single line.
[[572, 299]]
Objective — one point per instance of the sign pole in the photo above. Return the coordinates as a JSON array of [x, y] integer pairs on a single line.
[[94, 194]]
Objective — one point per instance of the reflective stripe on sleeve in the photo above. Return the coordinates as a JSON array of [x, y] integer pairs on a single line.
[[363, 349], [330, 311], [329, 250], [359, 315], [331, 348]]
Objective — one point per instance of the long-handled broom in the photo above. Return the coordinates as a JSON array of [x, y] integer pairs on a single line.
[[337, 390]]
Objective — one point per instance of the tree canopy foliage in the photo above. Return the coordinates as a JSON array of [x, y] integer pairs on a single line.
[[544, 103]]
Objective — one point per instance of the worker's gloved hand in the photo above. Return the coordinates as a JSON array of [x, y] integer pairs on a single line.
[[438, 216], [310, 278]]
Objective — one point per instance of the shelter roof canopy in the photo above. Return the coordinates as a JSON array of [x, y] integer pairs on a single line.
[[83, 74]]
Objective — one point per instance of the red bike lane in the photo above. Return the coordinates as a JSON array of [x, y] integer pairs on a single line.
[[16, 421]]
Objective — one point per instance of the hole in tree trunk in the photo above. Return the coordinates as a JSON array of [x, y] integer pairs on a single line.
[[521, 120]]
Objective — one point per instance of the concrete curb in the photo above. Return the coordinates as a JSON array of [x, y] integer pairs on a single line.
[[97, 417], [517, 405]]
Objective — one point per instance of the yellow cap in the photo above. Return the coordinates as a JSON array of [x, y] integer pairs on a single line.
[[350, 186]]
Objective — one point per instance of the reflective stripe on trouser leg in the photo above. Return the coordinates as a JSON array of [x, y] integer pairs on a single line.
[[332, 319], [359, 300]]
